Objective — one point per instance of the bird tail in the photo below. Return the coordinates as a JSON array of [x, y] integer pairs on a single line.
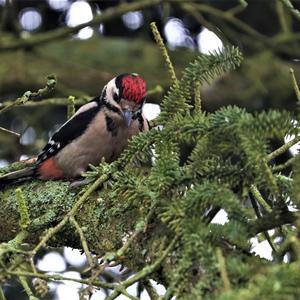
[[18, 176]]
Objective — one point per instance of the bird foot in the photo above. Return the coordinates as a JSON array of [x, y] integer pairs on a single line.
[[79, 183]]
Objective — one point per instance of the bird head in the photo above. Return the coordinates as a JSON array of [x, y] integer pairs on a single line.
[[127, 93]]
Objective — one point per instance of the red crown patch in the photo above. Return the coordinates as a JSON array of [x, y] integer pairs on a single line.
[[134, 88]]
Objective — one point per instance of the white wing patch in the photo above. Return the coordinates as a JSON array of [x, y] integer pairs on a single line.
[[50, 148]]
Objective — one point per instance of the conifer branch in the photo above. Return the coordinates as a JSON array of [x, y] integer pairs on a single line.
[[164, 52], [204, 69]]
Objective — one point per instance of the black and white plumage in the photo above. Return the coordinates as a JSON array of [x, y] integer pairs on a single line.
[[100, 129]]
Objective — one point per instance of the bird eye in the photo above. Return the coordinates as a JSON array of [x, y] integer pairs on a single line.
[[116, 97]]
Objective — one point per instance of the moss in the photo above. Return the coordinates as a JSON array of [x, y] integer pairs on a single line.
[[13, 167], [42, 197]]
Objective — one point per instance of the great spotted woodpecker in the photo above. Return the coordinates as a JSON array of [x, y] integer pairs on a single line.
[[99, 129]]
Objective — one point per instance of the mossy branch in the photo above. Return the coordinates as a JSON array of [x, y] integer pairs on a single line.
[[155, 91], [52, 231], [27, 96], [71, 106], [283, 148]]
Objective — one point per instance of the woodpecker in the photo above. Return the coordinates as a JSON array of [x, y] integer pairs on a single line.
[[99, 129]]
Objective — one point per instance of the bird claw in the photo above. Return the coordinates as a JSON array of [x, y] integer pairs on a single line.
[[79, 183]]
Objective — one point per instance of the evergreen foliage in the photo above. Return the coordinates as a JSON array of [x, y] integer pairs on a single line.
[[207, 162], [202, 163]]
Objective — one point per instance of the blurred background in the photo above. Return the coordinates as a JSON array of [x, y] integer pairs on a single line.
[[35, 41]]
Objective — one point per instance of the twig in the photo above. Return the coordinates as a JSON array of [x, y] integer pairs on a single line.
[[125, 293], [168, 295], [83, 242], [295, 85], [12, 133], [281, 12], [143, 273], [272, 220], [157, 90], [150, 290], [164, 52], [2, 296], [200, 18], [285, 165], [58, 277], [50, 85], [27, 288], [222, 269], [239, 8], [259, 198], [283, 148], [230, 18], [51, 101], [12, 245], [295, 12], [266, 234], [119, 254]]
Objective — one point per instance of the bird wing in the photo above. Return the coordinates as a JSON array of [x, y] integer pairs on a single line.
[[70, 130]]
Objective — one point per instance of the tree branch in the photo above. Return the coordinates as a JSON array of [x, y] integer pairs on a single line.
[[295, 12], [108, 14], [50, 85], [272, 220]]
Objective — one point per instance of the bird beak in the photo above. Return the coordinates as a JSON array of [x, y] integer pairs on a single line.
[[127, 115]]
